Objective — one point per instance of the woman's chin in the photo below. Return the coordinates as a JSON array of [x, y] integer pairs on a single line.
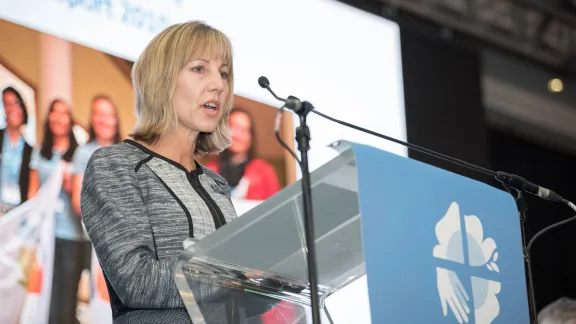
[[235, 149], [58, 133], [208, 128], [204, 127], [107, 137], [13, 125]]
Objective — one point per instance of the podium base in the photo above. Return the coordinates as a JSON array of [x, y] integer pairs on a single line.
[[226, 293]]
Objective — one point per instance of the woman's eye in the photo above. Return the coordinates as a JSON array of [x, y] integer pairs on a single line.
[[197, 69], [224, 75]]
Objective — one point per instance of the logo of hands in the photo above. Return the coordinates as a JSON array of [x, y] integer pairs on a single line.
[[481, 252], [453, 295]]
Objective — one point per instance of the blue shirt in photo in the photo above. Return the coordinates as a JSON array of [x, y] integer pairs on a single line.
[[67, 224], [10, 173]]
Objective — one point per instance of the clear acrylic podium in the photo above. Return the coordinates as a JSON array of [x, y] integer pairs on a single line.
[[257, 264]]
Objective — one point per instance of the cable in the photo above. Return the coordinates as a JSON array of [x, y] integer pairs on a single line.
[[553, 226], [277, 124], [547, 229], [527, 254]]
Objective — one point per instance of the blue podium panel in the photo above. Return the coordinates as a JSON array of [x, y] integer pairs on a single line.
[[420, 266]]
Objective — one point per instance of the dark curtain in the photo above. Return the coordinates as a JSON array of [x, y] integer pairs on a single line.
[[443, 102]]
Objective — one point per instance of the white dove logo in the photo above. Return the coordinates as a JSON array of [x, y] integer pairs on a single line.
[[481, 258]]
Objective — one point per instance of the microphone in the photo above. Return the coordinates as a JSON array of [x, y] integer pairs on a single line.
[[510, 180], [291, 102], [522, 184], [264, 83]]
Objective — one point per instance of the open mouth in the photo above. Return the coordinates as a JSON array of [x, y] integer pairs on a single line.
[[211, 105]]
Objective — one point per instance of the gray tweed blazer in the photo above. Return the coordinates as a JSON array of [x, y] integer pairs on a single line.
[[138, 207]]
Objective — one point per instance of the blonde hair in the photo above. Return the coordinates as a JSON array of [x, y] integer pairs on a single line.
[[154, 77]]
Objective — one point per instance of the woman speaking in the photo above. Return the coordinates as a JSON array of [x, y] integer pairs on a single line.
[[143, 197]]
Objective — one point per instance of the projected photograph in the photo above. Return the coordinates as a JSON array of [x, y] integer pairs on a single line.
[[61, 86]]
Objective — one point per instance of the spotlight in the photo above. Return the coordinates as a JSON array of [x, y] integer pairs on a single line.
[[555, 85]]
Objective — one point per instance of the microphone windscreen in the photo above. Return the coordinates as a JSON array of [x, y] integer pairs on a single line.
[[263, 82]]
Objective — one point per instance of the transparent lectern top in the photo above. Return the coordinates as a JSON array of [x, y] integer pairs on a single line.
[[262, 253]]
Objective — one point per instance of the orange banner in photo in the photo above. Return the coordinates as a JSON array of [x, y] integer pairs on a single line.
[[35, 278]]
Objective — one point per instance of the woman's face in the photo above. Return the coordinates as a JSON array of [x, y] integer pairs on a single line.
[[59, 120], [201, 91], [104, 120], [13, 109], [240, 125]]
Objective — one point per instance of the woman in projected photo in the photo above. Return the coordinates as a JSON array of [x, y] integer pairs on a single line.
[[16, 153], [252, 179], [249, 178], [59, 144], [104, 130]]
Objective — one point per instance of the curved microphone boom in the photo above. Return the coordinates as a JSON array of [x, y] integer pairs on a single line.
[[264, 83], [291, 102]]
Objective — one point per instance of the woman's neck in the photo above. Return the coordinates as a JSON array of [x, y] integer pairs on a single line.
[[179, 146], [103, 142], [238, 158], [13, 134], [61, 143]]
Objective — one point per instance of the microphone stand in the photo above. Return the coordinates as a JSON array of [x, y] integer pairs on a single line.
[[522, 208], [303, 140]]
